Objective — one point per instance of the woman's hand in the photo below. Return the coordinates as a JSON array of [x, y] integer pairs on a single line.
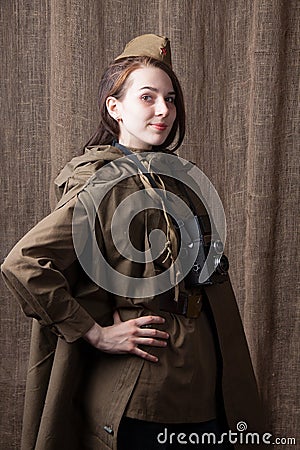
[[125, 337]]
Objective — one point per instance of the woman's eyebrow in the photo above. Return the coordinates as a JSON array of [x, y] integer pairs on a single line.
[[155, 90]]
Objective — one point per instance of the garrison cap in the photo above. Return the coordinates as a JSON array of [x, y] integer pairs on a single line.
[[157, 47]]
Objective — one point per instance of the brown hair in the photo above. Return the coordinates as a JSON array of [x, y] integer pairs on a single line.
[[113, 84]]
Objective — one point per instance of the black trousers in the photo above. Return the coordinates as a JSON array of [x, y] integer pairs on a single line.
[[141, 435]]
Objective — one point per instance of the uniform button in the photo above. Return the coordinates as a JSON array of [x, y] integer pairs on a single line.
[[108, 429], [55, 330]]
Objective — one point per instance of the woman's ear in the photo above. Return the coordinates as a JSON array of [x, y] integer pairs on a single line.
[[112, 108]]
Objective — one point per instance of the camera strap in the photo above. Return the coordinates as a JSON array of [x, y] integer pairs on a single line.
[[138, 163], [202, 222], [153, 183], [178, 224]]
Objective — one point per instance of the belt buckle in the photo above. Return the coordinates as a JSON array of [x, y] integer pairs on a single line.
[[194, 305]]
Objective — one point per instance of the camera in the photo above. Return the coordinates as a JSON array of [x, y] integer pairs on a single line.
[[210, 265]]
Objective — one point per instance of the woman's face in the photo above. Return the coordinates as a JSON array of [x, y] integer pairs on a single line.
[[146, 112]]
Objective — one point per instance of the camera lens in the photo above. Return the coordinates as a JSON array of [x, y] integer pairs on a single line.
[[219, 247], [223, 265]]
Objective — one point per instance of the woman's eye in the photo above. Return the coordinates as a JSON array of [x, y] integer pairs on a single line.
[[146, 98], [170, 99]]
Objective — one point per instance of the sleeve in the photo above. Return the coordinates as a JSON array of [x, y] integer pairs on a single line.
[[35, 271]]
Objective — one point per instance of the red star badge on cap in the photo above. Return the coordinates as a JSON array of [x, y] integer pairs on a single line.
[[163, 51]]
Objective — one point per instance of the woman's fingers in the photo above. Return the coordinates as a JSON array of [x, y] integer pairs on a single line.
[[144, 321], [144, 328], [149, 336], [128, 336], [116, 317], [154, 333], [150, 341], [142, 354]]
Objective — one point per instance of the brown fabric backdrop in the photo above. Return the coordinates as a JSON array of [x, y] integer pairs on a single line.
[[238, 61]]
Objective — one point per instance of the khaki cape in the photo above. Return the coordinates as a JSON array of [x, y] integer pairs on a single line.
[[76, 395]]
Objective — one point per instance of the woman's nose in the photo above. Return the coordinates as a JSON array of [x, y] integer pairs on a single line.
[[162, 108]]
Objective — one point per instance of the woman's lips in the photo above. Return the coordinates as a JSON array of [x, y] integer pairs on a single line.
[[159, 126]]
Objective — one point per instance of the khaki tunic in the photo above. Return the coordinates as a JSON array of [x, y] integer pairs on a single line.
[[76, 395], [181, 387]]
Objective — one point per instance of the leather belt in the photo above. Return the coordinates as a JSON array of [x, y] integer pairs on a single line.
[[189, 304]]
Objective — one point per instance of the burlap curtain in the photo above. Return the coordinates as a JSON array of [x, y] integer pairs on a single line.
[[238, 62]]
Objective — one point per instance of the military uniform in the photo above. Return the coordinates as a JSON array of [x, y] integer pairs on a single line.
[[77, 395]]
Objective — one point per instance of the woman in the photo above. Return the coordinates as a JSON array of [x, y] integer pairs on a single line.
[[108, 370]]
